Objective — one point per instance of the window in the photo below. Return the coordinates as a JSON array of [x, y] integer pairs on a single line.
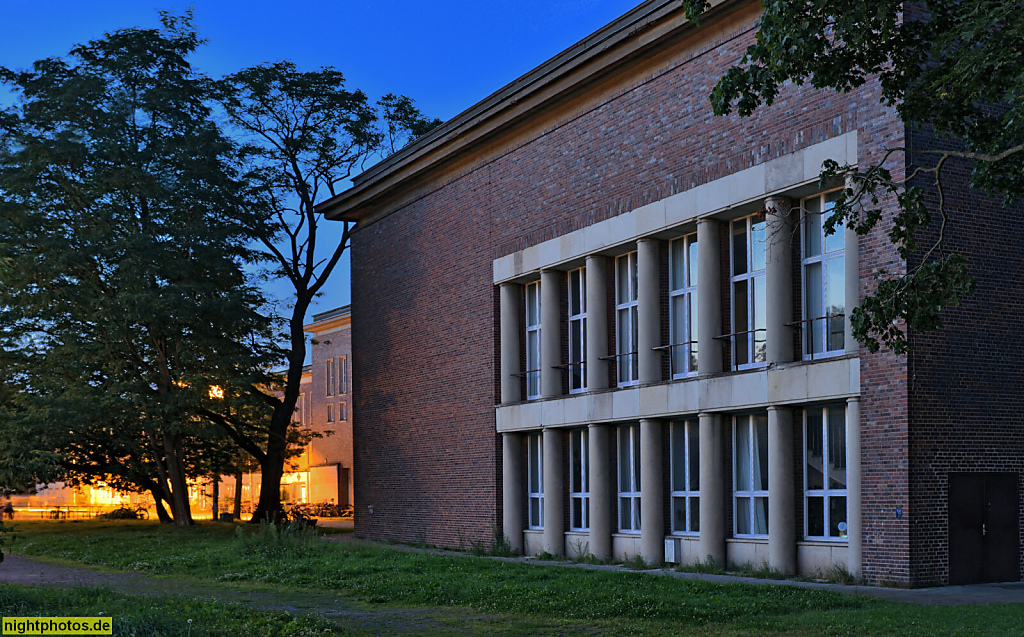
[[579, 480], [824, 268], [629, 478], [330, 376], [343, 411], [750, 475], [577, 330], [626, 319], [749, 294], [535, 470], [685, 460], [343, 374], [300, 413], [683, 306], [330, 413], [533, 340], [825, 472]]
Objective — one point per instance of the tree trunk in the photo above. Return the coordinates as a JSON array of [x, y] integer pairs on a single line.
[[179, 487], [216, 497], [161, 512], [238, 495]]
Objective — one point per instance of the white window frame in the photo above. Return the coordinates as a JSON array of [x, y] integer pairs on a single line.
[[826, 492], [579, 480], [329, 365], [628, 478], [816, 331], [626, 336], [343, 374], [577, 369], [747, 425], [683, 306], [535, 481], [684, 435], [533, 362], [753, 226]]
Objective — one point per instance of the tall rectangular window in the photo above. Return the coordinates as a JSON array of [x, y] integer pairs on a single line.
[[824, 280], [535, 479], [577, 330], [749, 292], [533, 340], [329, 367], [629, 478], [343, 411], [330, 413], [685, 460], [300, 411], [825, 472], [343, 374], [750, 475], [683, 306], [626, 302], [579, 480]]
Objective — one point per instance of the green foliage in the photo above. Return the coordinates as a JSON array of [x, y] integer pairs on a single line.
[[123, 230], [953, 68]]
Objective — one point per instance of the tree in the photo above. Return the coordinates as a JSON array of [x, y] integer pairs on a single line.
[[124, 236], [955, 69], [305, 135]]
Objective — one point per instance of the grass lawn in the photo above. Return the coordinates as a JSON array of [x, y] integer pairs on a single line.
[[485, 595]]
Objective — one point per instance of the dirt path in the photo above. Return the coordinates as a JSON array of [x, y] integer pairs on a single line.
[[346, 613]]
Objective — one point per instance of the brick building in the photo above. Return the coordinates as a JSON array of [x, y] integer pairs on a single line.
[[595, 318]]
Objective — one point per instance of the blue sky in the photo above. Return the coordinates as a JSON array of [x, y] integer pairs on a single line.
[[445, 54]]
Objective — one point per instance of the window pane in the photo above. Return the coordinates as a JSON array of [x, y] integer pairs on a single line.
[[679, 514], [577, 512], [635, 469], [624, 459], [760, 521], [813, 308], [743, 456], [739, 321], [535, 512], [586, 513], [694, 457], [634, 359], [636, 513], [812, 233], [622, 345], [835, 241], [837, 516], [761, 453], [691, 278], [679, 333], [813, 444], [625, 514], [815, 516], [574, 292], [677, 276], [576, 473], [835, 288], [739, 247], [633, 272], [695, 515], [837, 448], [691, 333], [678, 457], [622, 280], [760, 319], [743, 516], [757, 246]]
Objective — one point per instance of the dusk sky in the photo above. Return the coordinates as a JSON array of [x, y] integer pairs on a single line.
[[445, 54]]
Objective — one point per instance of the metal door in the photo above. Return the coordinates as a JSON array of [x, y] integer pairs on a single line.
[[984, 532]]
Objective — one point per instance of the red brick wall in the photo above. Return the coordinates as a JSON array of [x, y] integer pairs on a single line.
[[423, 300]]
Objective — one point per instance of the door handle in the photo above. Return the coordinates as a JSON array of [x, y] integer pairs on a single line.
[[983, 530]]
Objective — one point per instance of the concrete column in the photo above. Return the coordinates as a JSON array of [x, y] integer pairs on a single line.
[[709, 301], [781, 505], [601, 502], [648, 309], [551, 284], [855, 530], [711, 543], [554, 517], [597, 322], [513, 494], [511, 349], [851, 253], [652, 515], [779, 280]]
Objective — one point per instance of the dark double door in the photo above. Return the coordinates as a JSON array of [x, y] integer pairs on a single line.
[[984, 528]]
